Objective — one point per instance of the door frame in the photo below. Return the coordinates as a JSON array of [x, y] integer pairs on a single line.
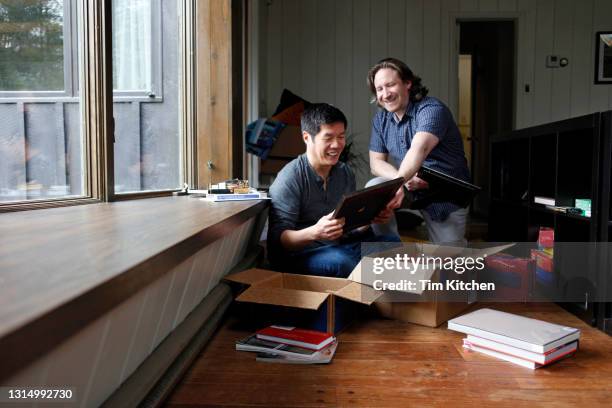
[[455, 18]]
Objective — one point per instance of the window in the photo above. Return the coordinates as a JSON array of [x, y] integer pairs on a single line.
[[58, 104], [137, 46], [32, 42], [132, 45], [36, 49], [41, 146], [41, 143], [38, 57], [147, 135]]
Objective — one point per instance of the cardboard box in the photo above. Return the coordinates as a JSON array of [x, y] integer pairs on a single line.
[[431, 314], [430, 307], [320, 303], [328, 304]]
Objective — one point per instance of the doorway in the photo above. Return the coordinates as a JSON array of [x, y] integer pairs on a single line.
[[486, 70]]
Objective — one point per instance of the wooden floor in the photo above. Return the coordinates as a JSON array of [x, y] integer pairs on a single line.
[[385, 363]]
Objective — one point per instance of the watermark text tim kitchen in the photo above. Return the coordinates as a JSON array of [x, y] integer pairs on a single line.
[[427, 284]]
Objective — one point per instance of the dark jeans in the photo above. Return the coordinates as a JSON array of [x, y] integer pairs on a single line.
[[333, 260]]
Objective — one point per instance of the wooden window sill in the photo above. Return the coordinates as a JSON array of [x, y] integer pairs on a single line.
[[62, 268]]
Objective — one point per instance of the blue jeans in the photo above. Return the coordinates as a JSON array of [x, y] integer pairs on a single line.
[[333, 260]]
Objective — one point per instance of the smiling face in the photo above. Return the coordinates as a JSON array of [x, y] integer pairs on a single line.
[[324, 149], [392, 93]]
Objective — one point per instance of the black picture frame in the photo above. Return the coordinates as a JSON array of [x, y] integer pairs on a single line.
[[362, 206], [603, 57]]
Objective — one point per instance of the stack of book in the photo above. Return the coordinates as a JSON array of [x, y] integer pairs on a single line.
[[544, 257], [520, 340], [290, 345], [251, 195]]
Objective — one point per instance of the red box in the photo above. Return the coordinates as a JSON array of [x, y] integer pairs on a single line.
[[513, 277]]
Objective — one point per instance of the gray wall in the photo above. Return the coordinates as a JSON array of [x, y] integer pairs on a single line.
[[323, 49]]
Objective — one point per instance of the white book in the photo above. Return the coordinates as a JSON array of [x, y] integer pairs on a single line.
[[236, 197], [518, 331], [545, 358], [502, 356], [544, 200]]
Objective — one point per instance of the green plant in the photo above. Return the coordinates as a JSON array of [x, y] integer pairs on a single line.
[[350, 156]]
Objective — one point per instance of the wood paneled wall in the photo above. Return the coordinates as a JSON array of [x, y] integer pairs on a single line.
[[322, 51], [215, 89]]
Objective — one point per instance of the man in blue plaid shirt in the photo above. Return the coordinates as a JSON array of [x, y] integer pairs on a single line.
[[411, 130]]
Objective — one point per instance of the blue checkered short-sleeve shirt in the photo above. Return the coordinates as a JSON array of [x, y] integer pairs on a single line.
[[428, 115]]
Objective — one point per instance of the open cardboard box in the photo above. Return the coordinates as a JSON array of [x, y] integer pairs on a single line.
[[426, 307], [320, 303], [328, 304]]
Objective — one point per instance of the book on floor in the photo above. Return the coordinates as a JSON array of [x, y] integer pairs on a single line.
[[512, 358], [538, 358], [324, 356], [253, 344], [518, 331], [501, 356], [310, 339]]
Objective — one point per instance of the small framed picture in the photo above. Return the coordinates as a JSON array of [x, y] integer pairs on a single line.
[[603, 57]]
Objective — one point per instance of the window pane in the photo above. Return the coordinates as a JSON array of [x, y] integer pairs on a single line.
[[132, 45], [147, 136], [31, 45], [41, 147]]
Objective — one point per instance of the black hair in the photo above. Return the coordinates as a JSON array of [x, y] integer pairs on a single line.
[[417, 91], [318, 114]]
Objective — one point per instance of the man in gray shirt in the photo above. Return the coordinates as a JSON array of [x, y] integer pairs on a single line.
[[302, 236]]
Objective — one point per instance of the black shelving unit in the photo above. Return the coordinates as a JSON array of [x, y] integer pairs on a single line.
[[563, 160]]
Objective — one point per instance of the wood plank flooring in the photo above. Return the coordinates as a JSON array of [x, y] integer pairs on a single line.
[[385, 363]]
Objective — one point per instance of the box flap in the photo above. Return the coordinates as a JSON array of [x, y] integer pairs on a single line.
[[419, 273], [442, 251], [310, 283], [358, 293], [355, 276], [390, 275], [251, 276], [283, 297]]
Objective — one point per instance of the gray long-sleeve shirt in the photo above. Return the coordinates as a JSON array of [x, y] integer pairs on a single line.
[[299, 200]]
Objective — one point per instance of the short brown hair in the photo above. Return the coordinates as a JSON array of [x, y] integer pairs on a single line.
[[417, 92]]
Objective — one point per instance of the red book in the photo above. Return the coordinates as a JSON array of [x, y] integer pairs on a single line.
[[546, 238], [309, 339]]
